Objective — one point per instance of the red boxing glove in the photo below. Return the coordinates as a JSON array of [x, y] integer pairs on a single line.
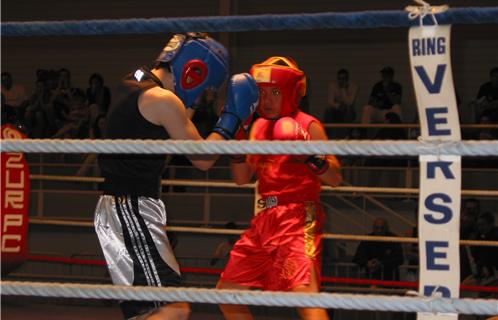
[[287, 128]]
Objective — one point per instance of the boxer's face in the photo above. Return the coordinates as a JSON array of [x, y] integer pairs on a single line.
[[270, 101]]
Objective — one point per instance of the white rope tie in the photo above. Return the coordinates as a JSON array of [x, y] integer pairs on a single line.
[[340, 147], [246, 297], [424, 9]]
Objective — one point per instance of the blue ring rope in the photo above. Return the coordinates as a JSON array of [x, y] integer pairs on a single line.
[[267, 22]]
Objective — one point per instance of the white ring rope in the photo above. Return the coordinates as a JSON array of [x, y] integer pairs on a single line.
[[221, 184], [352, 237], [402, 125], [339, 147], [246, 297]]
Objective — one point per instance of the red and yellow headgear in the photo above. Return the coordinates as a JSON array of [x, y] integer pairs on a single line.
[[283, 73]]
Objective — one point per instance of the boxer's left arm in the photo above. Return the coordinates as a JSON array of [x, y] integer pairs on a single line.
[[332, 175], [163, 108]]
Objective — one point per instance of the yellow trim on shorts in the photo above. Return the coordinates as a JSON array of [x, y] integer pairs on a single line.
[[310, 226]]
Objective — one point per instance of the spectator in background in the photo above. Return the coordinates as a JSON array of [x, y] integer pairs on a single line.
[[98, 95], [483, 134], [40, 115], [385, 98], [470, 210], [98, 127], [76, 125], [381, 260], [8, 113], [223, 249], [15, 98], [486, 258], [340, 103], [62, 96], [486, 134], [51, 78], [391, 133], [486, 103], [36, 113], [411, 251], [65, 85]]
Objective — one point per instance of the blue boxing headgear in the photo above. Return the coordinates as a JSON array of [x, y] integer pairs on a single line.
[[197, 62]]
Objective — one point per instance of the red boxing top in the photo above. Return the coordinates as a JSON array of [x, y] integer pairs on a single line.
[[283, 175]]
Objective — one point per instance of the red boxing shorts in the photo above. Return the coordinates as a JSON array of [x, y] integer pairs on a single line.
[[279, 249]]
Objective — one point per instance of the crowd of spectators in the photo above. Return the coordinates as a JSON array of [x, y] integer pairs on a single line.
[[478, 264], [380, 260], [56, 109], [385, 106]]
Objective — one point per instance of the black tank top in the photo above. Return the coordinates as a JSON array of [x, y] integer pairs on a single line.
[[132, 174]]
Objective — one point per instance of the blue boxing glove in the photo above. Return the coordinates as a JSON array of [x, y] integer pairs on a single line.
[[242, 99]]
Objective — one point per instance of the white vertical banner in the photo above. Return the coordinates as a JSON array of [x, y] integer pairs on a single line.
[[440, 176]]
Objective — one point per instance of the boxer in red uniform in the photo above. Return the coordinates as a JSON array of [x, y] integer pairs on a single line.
[[281, 250]]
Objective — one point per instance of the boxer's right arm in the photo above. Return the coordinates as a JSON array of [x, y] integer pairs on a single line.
[[242, 171]]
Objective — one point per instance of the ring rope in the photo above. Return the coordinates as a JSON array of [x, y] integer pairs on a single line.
[[215, 271], [246, 297], [218, 184], [348, 237], [339, 147], [402, 125], [238, 23]]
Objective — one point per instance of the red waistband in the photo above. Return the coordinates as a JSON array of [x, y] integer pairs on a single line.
[[270, 201]]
